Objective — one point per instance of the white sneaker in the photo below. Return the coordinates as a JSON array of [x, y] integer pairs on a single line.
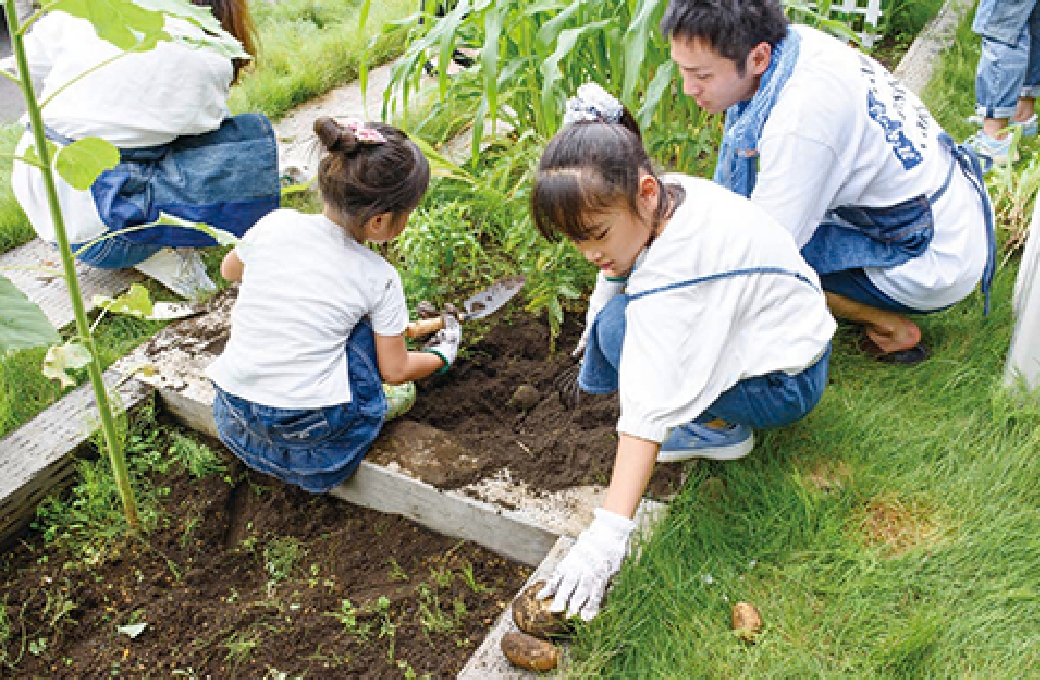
[[181, 270]]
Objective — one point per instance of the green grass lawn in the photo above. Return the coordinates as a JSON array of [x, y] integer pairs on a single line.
[[893, 533]]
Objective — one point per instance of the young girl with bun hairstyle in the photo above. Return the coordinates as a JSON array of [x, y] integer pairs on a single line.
[[705, 318], [319, 320]]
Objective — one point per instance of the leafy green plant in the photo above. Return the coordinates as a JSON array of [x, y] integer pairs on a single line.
[[433, 617], [197, 459], [281, 555], [397, 572], [240, 646], [470, 579], [350, 617]]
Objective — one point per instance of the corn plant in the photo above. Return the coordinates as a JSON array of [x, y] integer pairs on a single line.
[[533, 55], [132, 27]]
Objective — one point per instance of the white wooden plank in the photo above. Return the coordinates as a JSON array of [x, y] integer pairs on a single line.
[[35, 460], [26, 267]]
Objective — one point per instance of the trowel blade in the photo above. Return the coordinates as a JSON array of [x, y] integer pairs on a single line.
[[488, 301]]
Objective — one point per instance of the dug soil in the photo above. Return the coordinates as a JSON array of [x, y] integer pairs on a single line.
[[500, 408], [496, 411], [247, 577]]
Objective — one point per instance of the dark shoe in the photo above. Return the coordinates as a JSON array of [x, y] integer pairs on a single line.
[[903, 357]]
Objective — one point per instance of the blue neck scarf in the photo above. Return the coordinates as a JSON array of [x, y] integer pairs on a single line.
[[736, 167]]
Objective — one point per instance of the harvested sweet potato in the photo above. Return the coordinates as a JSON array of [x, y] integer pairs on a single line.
[[528, 652], [746, 621], [532, 615]]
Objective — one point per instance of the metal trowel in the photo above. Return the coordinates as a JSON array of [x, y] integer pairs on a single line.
[[475, 307]]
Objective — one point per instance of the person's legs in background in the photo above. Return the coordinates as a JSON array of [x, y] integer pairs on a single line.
[[1025, 113], [179, 269], [1006, 30]]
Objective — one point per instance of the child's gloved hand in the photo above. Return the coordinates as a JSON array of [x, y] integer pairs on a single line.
[[445, 342], [580, 579]]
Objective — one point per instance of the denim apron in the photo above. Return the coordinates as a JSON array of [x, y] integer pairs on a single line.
[[855, 237], [226, 178], [772, 400], [315, 449]]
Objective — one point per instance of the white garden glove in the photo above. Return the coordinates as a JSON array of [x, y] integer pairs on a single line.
[[445, 342], [603, 292], [580, 579]]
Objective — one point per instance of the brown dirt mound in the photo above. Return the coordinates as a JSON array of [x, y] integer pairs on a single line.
[[546, 445]]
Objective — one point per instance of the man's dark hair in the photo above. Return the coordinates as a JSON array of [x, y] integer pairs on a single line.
[[731, 27]]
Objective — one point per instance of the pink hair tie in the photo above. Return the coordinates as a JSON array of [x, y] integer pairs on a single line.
[[365, 135]]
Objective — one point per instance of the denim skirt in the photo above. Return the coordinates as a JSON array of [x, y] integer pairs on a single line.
[[315, 448]]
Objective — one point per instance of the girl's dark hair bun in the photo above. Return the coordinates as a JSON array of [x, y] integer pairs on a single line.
[[334, 137]]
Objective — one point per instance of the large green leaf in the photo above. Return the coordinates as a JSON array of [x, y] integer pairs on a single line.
[[639, 34], [61, 359], [552, 76], [22, 323], [140, 24], [81, 162], [123, 23]]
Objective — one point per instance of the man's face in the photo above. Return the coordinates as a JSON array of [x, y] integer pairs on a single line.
[[713, 80]]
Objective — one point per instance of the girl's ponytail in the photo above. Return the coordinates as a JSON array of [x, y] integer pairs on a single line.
[[334, 137], [369, 169]]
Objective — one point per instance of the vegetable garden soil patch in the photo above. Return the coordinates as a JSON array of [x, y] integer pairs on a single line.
[[488, 425], [252, 578], [471, 423]]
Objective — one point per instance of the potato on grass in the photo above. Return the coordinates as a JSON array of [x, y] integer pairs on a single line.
[[530, 653], [532, 615], [747, 622]]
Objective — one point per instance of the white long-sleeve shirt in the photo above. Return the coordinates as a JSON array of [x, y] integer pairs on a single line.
[[685, 347], [823, 147], [136, 100]]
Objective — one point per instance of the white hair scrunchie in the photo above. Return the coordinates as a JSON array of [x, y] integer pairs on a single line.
[[593, 103]]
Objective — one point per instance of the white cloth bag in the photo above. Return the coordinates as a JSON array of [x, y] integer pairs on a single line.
[[1024, 357]]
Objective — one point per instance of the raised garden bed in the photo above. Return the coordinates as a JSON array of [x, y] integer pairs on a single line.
[[466, 436], [248, 577]]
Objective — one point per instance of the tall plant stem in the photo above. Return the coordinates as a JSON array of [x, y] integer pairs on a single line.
[[108, 423]]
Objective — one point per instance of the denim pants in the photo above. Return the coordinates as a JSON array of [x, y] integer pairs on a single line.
[[115, 252], [317, 448], [854, 237], [1009, 67], [760, 402], [226, 178]]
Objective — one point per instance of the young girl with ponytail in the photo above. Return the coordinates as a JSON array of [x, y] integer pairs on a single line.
[[319, 320]]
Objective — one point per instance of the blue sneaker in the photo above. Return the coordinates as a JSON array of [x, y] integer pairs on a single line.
[[993, 153], [1028, 126], [695, 440]]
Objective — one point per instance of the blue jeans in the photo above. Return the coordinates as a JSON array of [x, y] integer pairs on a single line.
[[317, 448], [857, 286], [115, 252], [854, 237], [1009, 67], [760, 402]]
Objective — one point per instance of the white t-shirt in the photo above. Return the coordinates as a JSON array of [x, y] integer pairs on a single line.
[[136, 100], [685, 347], [306, 284], [823, 147]]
